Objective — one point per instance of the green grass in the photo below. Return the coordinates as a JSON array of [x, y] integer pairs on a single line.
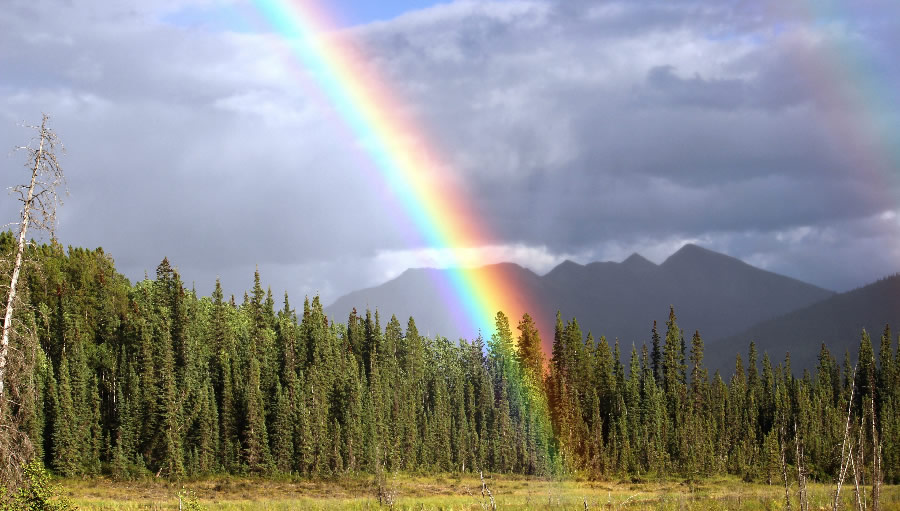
[[449, 492]]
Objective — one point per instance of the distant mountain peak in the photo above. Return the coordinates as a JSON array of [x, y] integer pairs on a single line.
[[693, 249], [567, 267], [638, 261], [695, 254]]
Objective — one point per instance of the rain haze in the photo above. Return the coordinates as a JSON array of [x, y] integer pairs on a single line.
[[766, 130]]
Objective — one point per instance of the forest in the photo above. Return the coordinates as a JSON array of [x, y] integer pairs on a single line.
[[129, 380]]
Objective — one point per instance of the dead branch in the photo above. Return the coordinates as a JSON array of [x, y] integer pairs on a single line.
[[625, 502], [485, 489]]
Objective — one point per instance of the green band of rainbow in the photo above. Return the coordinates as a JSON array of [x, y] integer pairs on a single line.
[[406, 161]]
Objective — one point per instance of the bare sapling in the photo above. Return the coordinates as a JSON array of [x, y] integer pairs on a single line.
[[842, 473], [876, 455], [801, 473], [876, 466], [860, 464], [860, 506], [784, 475]]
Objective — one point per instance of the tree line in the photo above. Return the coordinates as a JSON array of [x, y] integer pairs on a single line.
[[149, 378]]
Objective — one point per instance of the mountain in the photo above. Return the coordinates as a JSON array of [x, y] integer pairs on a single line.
[[837, 321], [712, 292], [423, 294]]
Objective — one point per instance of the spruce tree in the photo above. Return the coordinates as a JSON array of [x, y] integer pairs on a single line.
[[530, 352], [282, 432], [656, 355], [256, 441], [886, 366], [699, 380], [66, 452]]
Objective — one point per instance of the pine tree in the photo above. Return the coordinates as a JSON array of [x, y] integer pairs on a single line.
[[865, 372], [169, 451], [503, 462], [699, 378], [632, 411], [530, 351], [256, 442], [282, 432], [886, 376], [656, 355], [66, 453], [559, 347], [605, 379], [671, 356], [674, 389], [303, 442]]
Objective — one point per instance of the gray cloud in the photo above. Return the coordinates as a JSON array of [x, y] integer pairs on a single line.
[[580, 129]]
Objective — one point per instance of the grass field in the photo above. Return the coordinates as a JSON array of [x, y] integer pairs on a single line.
[[447, 493]]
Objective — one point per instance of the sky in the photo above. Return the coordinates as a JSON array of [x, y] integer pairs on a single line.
[[581, 130]]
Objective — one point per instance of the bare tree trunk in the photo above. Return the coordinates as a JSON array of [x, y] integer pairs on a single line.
[[859, 503], [844, 462], [20, 251], [784, 477], [801, 475], [860, 465], [876, 459], [876, 471]]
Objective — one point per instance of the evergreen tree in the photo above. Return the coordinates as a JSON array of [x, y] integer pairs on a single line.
[[65, 441], [256, 441], [699, 379], [656, 355], [282, 432], [530, 351]]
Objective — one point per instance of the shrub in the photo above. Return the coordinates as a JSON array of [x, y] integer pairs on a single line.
[[37, 493]]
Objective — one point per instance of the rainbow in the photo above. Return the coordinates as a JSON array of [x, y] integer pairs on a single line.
[[855, 95], [860, 96], [859, 101], [406, 162]]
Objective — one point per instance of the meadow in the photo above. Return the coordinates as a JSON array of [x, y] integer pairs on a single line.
[[452, 492]]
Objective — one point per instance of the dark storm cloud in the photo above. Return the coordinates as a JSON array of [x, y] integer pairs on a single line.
[[627, 121], [579, 129]]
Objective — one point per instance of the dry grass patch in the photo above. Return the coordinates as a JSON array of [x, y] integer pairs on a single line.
[[451, 492]]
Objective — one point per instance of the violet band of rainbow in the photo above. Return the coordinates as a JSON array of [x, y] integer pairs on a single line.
[[406, 161]]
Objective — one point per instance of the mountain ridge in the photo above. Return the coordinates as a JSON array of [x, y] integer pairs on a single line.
[[714, 293], [837, 322]]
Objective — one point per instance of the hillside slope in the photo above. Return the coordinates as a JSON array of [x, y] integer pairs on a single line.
[[836, 321]]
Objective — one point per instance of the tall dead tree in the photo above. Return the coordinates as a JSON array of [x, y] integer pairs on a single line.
[[39, 200]]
